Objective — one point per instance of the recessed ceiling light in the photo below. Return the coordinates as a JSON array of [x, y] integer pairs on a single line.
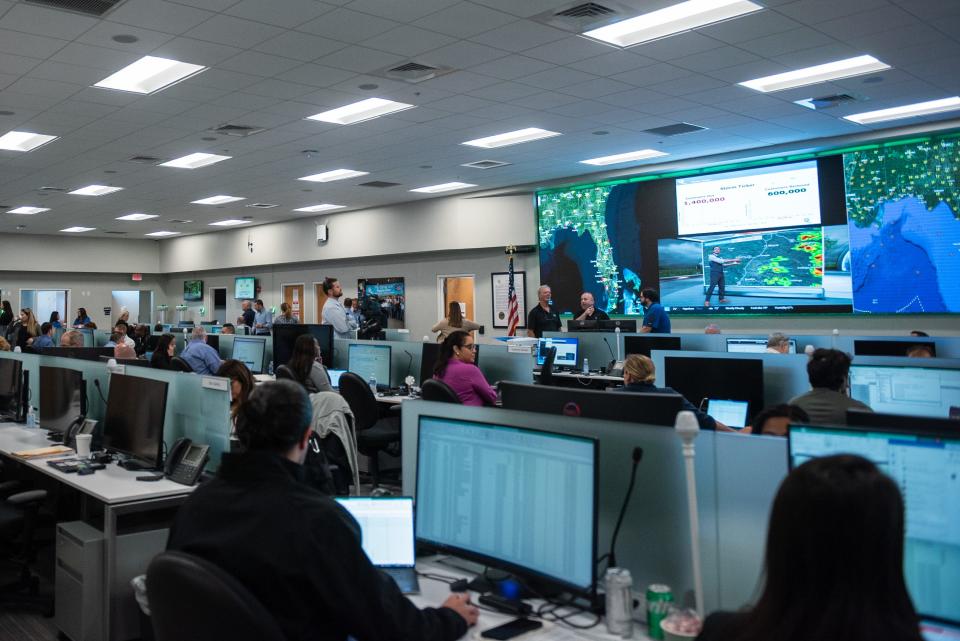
[[23, 140], [906, 111], [162, 233], [336, 174], [217, 200], [642, 154], [149, 74], [137, 217], [28, 210], [671, 20], [194, 161], [436, 189], [836, 70], [229, 223], [95, 190], [360, 111], [77, 230], [321, 207], [511, 138]]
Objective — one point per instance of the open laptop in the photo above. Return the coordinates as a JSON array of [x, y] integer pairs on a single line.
[[386, 524], [730, 413], [934, 630], [334, 375]]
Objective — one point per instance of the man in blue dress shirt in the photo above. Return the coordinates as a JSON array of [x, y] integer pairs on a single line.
[[262, 319], [655, 319], [201, 358], [45, 339]]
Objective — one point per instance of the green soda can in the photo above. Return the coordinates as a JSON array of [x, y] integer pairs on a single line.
[[659, 598]]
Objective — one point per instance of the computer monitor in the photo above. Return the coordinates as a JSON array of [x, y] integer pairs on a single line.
[[868, 347], [213, 340], [335, 375], [285, 337], [386, 526], [428, 358], [133, 422], [925, 464], [645, 344], [249, 351], [543, 484], [214, 329], [574, 325], [82, 353], [754, 345], [739, 379], [901, 421], [567, 352], [915, 391], [623, 324], [63, 399], [650, 409], [11, 377], [370, 361], [730, 413]]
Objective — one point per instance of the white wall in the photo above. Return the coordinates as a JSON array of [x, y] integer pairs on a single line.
[[23, 253]]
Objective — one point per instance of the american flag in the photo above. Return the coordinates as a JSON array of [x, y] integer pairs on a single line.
[[513, 310]]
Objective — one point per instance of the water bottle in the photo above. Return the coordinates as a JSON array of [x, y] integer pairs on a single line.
[[31, 417], [270, 368], [373, 384], [586, 366]]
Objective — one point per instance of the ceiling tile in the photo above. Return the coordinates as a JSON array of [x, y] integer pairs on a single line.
[[716, 59], [749, 27], [45, 22], [678, 46], [526, 8], [196, 52], [519, 36], [261, 64], [278, 89], [595, 88], [347, 26], [511, 67], [227, 30], [612, 63], [288, 13], [556, 78], [505, 91], [464, 54], [401, 11], [408, 41], [651, 75], [159, 15], [102, 33], [316, 75], [464, 19], [360, 59], [24, 44], [545, 100], [300, 46], [462, 82], [568, 50], [781, 43]]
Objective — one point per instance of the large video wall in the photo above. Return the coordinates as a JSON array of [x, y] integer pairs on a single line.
[[873, 230]]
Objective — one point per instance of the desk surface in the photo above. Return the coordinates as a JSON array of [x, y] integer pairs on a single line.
[[111, 485], [588, 377]]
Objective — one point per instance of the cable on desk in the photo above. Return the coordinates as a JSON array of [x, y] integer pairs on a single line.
[[437, 577]]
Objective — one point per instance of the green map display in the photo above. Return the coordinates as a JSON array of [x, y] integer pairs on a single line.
[[783, 258]]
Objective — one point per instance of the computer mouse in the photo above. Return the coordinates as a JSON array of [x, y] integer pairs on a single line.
[[83, 470]]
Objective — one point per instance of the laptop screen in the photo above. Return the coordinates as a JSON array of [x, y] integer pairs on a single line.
[[335, 377], [386, 524], [730, 413], [937, 631]]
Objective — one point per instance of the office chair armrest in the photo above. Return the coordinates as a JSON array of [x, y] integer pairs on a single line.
[[24, 498], [8, 487]]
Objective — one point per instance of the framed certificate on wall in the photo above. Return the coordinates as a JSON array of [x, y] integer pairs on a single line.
[[499, 285]]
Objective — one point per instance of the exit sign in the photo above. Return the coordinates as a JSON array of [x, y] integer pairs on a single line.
[[137, 277]]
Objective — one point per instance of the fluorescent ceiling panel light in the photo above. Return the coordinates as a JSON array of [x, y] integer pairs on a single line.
[[195, 161], [77, 230], [906, 111], [229, 223], [162, 233], [511, 138], [671, 20], [217, 200], [95, 190], [149, 74], [642, 154], [820, 73], [28, 210], [436, 189], [23, 141], [336, 174], [321, 207], [137, 217], [360, 111]]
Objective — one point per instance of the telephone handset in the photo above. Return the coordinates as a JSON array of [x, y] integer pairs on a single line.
[[186, 461], [615, 368]]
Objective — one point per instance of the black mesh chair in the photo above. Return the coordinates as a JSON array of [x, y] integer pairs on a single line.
[[284, 372], [546, 372], [434, 390], [374, 434], [19, 514], [177, 364], [194, 600]]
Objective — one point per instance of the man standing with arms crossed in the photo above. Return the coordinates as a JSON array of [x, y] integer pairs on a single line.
[[716, 275], [333, 312]]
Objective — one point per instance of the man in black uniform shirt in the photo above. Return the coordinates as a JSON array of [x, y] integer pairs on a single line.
[[542, 318], [294, 548], [590, 313]]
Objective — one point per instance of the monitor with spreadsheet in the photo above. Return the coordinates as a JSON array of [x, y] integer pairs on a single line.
[[914, 391], [926, 467], [496, 474], [754, 345], [370, 361], [567, 349], [386, 524], [249, 351], [730, 413]]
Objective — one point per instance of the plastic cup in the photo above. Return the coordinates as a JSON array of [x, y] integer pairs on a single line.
[[83, 445]]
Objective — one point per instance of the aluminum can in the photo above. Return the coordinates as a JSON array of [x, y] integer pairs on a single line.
[[659, 599], [619, 611]]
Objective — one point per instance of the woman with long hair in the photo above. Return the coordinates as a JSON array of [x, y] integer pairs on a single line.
[[307, 367], [27, 328], [455, 367], [454, 321], [163, 353], [6, 313], [834, 561], [82, 318], [241, 386], [286, 316], [55, 319]]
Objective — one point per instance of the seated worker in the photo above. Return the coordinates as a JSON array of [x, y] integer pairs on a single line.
[[639, 374], [228, 328], [121, 329], [307, 366], [778, 344], [122, 351], [914, 351], [71, 338], [590, 312], [295, 549], [834, 561], [45, 339], [828, 401], [776, 420], [455, 368], [163, 353], [201, 358], [241, 386]]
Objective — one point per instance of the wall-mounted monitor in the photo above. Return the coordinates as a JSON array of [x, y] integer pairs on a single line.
[[245, 287], [192, 290]]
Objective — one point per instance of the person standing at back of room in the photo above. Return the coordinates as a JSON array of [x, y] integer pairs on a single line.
[[333, 312], [247, 315], [655, 319], [542, 318], [453, 322]]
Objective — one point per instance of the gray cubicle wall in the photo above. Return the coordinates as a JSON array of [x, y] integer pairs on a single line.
[[737, 477], [93, 372]]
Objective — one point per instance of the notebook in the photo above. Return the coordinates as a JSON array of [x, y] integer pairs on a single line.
[[386, 525]]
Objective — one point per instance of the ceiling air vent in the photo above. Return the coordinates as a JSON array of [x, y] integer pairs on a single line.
[[578, 17], [60, 189], [179, 222], [146, 160], [116, 233], [262, 205], [239, 131], [88, 7], [586, 10], [827, 102], [485, 164], [379, 184], [414, 71], [674, 130]]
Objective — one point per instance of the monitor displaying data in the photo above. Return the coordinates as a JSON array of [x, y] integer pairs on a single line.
[[249, 351], [517, 499], [244, 287], [730, 413], [913, 391], [754, 345], [386, 524], [567, 349], [927, 471], [370, 361]]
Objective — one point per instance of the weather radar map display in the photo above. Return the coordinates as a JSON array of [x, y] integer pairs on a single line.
[[902, 210], [782, 258]]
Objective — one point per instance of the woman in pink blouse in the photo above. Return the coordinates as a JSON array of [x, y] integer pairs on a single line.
[[455, 368]]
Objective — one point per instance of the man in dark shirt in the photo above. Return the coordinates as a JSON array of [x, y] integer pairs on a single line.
[[542, 318], [655, 319], [590, 312], [295, 549], [247, 316]]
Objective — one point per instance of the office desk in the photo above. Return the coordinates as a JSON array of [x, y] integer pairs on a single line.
[[593, 380], [114, 487], [395, 400]]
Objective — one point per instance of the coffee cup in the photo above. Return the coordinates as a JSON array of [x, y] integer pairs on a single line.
[[83, 445]]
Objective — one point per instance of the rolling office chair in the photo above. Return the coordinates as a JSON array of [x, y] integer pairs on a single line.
[[546, 372], [434, 390], [219, 606], [177, 364], [19, 513], [284, 372], [374, 434]]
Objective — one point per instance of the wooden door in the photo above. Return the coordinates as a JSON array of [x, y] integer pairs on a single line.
[[460, 289], [320, 299], [293, 296]]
